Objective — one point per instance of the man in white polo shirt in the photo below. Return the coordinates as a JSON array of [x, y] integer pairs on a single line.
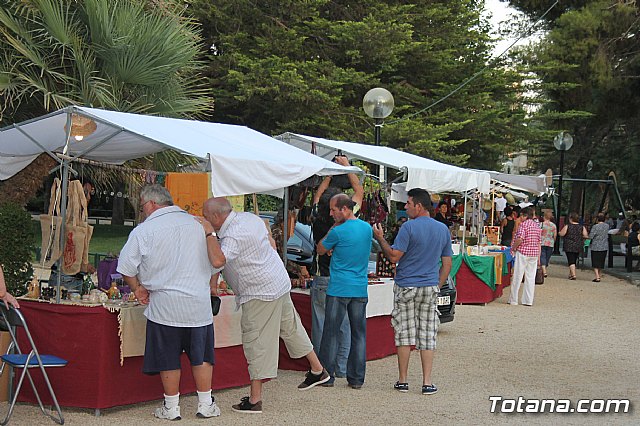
[[166, 265], [260, 281]]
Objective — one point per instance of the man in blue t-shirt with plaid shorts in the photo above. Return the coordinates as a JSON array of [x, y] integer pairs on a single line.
[[421, 244]]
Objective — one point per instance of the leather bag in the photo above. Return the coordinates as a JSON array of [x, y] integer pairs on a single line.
[[539, 276]]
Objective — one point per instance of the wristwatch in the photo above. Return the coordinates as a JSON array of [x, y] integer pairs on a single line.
[[211, 234]]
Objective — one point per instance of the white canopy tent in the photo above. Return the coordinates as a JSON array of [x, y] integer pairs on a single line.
[[421, 172], [536, 185], [242, 160]]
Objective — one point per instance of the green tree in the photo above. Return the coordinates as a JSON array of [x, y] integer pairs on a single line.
[[126, 55], [305, 66], [16, 247], [588, 68]]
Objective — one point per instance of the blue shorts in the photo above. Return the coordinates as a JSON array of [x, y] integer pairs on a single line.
[[165, 344]]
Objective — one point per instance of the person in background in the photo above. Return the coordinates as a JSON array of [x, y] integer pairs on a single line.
[[165, 264], [501, 204], [526, 247], [624, 228], [240, 243], [517, 220], [633, 242], [620, 220], [573, 242], [350, 242], [549, 235], [5, 296], [423, 254], [506, 227], [599, 235], [443, 214], [323, 222], [609, 221]]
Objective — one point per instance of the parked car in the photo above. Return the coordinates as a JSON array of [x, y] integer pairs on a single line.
[[447, 301], [300, 246]]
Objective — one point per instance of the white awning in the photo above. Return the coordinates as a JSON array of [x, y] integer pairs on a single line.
[[421, 172], [242, 160]]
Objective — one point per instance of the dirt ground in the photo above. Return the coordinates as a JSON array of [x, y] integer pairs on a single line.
[[579, 341]]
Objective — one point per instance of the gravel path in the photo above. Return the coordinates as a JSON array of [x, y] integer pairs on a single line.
[[580, 340]]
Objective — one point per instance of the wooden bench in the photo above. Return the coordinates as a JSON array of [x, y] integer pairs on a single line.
[[616, 250]]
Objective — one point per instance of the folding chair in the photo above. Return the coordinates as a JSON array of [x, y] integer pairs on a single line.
[[13, 318]]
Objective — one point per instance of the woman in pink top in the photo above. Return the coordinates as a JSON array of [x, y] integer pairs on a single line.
[[549, 234]]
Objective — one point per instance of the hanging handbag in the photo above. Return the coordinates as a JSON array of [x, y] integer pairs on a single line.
[[84, 214], [539, 276], [50, 225], [75, 233]]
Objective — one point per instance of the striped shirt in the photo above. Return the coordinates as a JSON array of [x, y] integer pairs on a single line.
[[530, 233], [253, 268], [168, 253]]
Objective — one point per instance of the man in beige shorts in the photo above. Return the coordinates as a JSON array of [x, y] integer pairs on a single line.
[[240, 243]]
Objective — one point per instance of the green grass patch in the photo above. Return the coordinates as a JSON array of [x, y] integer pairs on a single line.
[[105, 239]]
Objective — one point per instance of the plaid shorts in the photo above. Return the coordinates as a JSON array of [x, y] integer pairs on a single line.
[[415, 317]]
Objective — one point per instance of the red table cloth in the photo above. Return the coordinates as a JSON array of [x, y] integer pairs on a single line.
[[88, 338], [471, 289], [380, 341]]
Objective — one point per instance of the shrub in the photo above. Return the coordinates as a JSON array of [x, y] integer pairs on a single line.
[[16, 246]]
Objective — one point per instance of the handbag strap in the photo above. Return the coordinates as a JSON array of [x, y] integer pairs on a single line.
[[73, 204], [54, 199], [82, 198]]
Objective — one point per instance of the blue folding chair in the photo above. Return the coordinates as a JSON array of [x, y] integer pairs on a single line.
[[13, 318]]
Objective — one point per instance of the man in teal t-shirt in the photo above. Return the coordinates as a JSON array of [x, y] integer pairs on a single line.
[[349, 243]]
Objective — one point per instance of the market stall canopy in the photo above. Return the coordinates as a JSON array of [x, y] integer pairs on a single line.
[[421, 172], [536, 185], [242, 160]]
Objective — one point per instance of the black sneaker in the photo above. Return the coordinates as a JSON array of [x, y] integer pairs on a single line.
[[401, 387], [312, 380], [429, 389], [246, 407]]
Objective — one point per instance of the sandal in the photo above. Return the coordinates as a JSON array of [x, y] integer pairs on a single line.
[[595, 280], [572, 277]]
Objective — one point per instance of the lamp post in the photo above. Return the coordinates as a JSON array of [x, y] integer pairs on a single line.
[[378, 104], [562, 142], [508, 166]]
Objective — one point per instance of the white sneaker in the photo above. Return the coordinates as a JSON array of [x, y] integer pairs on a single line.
[[205, 411], [168, 413]]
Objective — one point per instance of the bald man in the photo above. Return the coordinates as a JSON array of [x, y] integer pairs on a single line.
[[240, 243]]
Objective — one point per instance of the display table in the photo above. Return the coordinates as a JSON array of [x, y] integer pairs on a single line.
[[380, 340], [94, 378], [88, 338], [480, 278]]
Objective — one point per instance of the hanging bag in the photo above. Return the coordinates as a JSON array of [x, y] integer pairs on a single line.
[[74, 235], [539, 276], [50, 225], [84, 213]]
